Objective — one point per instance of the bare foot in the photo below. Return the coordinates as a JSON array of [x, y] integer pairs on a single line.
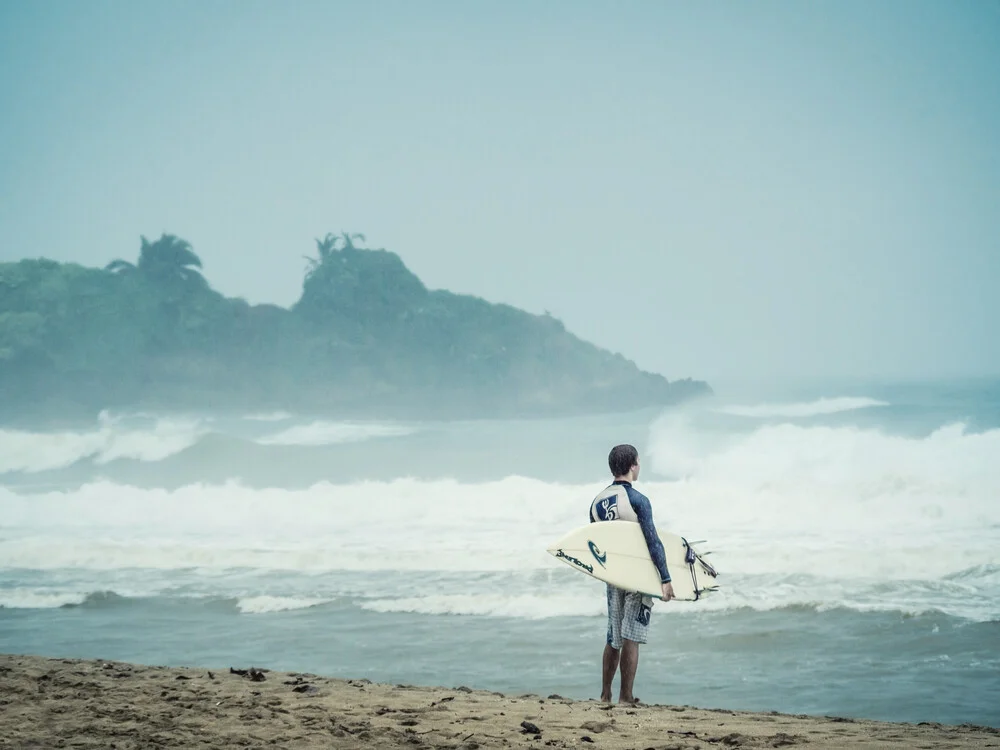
[[633, 701], [606, 697]]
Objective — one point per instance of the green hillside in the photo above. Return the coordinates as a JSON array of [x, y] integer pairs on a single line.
[[366, 338]]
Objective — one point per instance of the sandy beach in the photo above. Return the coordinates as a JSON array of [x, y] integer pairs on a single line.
[[49, 703]]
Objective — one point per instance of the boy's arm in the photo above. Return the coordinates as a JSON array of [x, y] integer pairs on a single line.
[[644, 512]]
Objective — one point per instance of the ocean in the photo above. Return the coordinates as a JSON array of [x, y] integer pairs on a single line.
[[856, 529]]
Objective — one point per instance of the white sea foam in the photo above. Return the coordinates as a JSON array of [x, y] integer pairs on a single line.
[[806, 516], [528, 606], [804, 409], [264, 604], [109, 440], [331, 433], [404, 524], [146, 437], [29, 598], [272, 416], [766, 594]]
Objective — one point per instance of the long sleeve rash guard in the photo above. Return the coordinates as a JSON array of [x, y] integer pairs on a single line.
[[606, 508]]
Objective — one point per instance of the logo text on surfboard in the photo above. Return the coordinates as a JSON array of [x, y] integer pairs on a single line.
[[578, 563]]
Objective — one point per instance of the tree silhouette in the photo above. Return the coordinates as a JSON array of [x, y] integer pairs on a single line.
[[326, 248], [349, 239], [168, 260]]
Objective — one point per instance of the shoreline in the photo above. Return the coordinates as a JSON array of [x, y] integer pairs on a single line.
[[49, 702]]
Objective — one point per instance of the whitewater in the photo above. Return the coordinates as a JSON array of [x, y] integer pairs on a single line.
[[415, 552]]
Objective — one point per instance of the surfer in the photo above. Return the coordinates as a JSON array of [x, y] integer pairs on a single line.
[[628, 612]]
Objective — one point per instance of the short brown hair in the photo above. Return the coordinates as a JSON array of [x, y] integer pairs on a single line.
[[621, 459]]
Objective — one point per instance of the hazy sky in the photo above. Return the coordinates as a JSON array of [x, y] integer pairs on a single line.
[[712, 189]]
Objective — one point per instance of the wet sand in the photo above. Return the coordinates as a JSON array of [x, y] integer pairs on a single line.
[[52, 703]]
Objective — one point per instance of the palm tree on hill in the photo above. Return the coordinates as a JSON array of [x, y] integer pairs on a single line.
[[326, 248], [168, 259], [349, 239]]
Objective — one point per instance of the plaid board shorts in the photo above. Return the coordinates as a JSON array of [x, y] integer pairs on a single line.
[[628, 616]]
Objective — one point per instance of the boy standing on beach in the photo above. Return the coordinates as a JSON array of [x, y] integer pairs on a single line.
[[628, 612]]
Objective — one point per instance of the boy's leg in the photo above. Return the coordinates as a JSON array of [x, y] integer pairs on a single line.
[[636, 613], [611, 655], [612, 649], [630, 663]]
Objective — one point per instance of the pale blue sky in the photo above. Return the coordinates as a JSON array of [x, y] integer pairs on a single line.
[[718, 190]]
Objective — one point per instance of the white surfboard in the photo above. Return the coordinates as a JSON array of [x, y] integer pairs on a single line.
[[615, 552]]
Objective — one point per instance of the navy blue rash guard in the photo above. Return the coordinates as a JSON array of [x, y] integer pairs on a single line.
[[644, 514]]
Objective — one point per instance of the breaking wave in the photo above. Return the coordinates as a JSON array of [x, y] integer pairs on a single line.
[[110, 440], [264, 604], [142, 437], [797, 515], [816, 408], [330, 433]]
